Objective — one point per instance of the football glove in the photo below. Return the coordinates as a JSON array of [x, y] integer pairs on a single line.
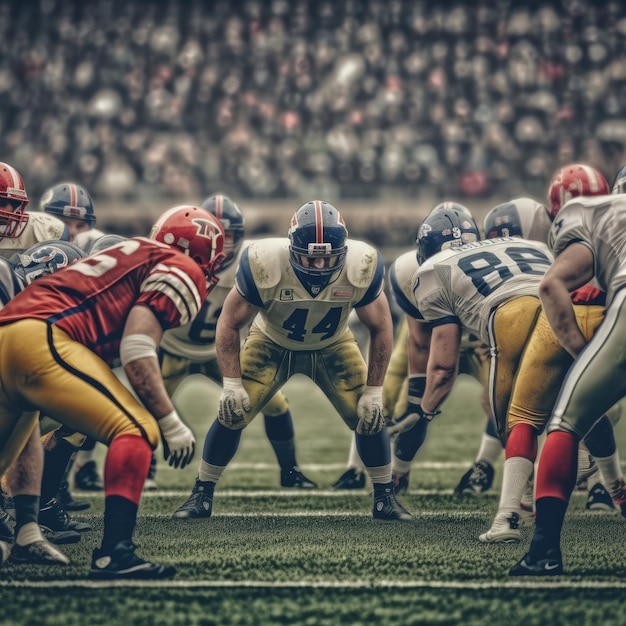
[[179, 444], [370, 411], [408, 419], [233, 401]]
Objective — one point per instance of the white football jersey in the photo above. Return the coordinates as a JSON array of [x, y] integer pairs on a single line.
[[40, 227], [599, 222], [289, 315], [401, 280], [464, 284], [196, 341]]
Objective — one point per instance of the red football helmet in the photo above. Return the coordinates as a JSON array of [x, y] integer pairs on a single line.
[[575, 180], [195, 232], [13, 201]]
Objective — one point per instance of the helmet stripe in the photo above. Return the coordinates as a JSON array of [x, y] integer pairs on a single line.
[[73, 195], [319, 222], [592, 177], [219, 207]]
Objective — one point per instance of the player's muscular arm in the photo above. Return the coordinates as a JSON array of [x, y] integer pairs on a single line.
[[442, 365], [144, 374], [418, 345], [572, 269], [376, 317], [237, 313]]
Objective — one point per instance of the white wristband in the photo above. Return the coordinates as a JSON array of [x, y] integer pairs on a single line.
[[137, 346], [169, 420], [231, 383]]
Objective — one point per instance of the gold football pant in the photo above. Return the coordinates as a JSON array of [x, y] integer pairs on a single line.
[[544, 366], [175, 369], [510, 326], [338, 370], [42, 369]]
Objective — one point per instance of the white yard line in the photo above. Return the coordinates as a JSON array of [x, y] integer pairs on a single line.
[[542, 584]]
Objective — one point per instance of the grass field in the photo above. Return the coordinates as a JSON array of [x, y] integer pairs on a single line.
[[272, 556]]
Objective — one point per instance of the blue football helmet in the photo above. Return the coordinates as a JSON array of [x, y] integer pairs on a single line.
[[451, 206], [444, 229], [317, 231], [231, 218], [70, 201], [44, 258], [101, 243], [619, 184]]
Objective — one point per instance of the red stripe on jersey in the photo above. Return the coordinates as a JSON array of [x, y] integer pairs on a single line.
[[319, 222]]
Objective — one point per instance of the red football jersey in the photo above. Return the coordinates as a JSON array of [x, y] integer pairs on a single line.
[[91, 299]]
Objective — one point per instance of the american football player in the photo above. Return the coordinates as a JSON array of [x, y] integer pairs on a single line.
[[587, 240], [406, 440], [299, 291], [37, 261], [190, 349], [20, 229], [539, 376], [66, 329], [488, 288], [73, 205], [529, 219]]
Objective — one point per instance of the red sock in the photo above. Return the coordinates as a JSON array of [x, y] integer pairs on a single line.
[[522, 441], [558, 465], [126, 467]]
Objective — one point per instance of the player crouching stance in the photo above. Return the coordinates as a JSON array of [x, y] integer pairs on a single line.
[[299, 292], [65, 330]]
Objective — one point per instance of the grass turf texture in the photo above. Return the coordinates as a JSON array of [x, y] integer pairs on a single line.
[[286, 557]]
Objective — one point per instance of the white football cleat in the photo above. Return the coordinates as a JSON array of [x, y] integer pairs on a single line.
[[505, 529]]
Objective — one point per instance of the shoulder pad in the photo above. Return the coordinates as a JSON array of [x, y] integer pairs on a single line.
[[46, 226], [361, 263], [268, 259]]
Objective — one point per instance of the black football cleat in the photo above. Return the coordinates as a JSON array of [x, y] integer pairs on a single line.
[[387, 507], [199, 503], [122, 563], [67, 501], [477, 479], [350, 479], [53, 516], [550, 565], [295, 479]]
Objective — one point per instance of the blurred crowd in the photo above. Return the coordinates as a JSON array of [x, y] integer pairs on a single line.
[[299, 98]]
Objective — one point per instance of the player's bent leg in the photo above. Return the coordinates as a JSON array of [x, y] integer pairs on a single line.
[[375, 452]]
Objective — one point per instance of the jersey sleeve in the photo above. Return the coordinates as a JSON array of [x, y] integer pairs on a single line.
[[401, 277], [174, 291], [244, 281], [431, 299], [377, 284]]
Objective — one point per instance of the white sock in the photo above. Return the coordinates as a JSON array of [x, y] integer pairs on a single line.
[[611, 473], [515, 475], [210, 472], [29, 533], [490, 449]]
